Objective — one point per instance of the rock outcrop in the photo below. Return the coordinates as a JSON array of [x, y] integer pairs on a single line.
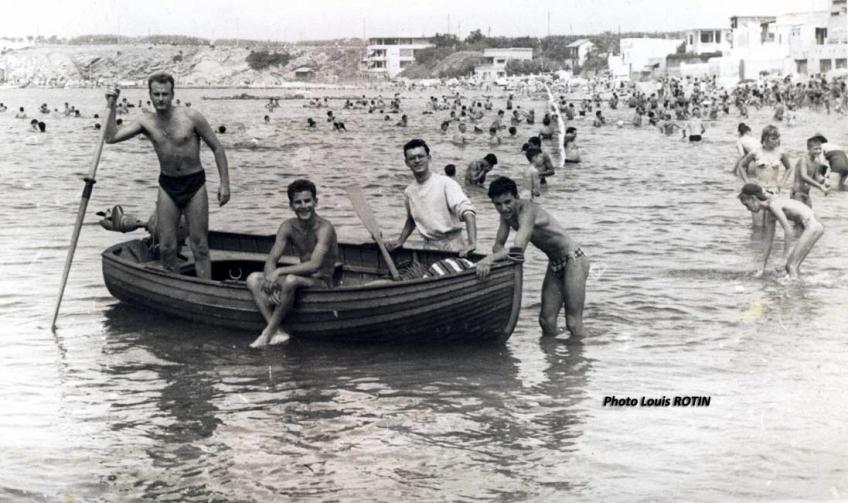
[[226, 66]]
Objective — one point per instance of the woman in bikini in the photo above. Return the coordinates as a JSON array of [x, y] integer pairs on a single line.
[[762, 167]]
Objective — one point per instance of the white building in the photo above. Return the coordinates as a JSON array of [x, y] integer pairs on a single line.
[[805, 43], [495, 60], [644, 55], [579, 50], [388, 56], [704, 40]]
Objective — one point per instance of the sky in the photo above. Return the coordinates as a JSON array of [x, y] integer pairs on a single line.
[[326, 19]]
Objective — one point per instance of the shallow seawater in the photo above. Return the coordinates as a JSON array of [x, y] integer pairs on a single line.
[[122, 405]]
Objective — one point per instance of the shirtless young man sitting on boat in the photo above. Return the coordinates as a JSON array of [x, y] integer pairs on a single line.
[[175, 133], [310, 237], [568, 267]]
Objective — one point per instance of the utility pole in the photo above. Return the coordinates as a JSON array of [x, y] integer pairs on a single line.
[[449, 24], [549, 23]]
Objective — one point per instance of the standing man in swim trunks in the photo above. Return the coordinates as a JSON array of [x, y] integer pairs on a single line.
[[175, 133], [436, 205], [568, 267], [313, 239]]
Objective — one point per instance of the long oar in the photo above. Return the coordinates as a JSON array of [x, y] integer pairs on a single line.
[[363, 211], [86, 195]]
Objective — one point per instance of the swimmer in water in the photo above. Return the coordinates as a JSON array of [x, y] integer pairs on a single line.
[[763, 167], [404, 121], [477, 169], [694, 128], [450, 170], [310, 123], [836, 158], [746, 142], [572, 151], [459, 137], [783, 210], [494, 139], [531, 187], [810, 173], [600, 120]]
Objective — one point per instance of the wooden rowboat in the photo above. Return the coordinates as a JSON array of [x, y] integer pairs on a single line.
[[360, 308]]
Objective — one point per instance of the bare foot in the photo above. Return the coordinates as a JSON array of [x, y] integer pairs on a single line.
[[279, 338], [792, 272], [260, 341]]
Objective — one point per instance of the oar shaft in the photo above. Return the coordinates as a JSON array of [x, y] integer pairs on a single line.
[[86, 195]]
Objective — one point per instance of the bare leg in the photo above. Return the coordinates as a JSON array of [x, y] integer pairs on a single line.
[[197, 219], [263, 302], [574, 286], [552, 297], [802, 248], [168, 219], [289, 285]]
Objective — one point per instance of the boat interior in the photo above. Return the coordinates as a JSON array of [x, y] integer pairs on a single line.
[[235, 256]]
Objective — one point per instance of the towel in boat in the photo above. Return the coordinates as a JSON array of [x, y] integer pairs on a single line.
[[448, 266]]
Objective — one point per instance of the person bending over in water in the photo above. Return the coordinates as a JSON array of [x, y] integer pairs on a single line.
[[313, 239], [809, 172], [783, 210], [568, 266]]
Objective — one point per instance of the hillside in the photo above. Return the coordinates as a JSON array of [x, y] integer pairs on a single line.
[[192, 65]]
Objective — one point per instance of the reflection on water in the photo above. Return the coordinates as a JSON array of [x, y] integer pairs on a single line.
[[133, 405]]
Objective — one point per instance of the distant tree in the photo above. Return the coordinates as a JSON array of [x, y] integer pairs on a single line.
[[445, 40], [475, 37], [259, 60], [532, 66]]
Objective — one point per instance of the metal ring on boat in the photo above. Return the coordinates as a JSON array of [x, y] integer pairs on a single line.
[[235, 276]]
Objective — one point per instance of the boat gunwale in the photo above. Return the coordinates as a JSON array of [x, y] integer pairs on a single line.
[[109, 254]]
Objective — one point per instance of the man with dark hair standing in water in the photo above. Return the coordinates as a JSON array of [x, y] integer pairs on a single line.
[[175, 134]]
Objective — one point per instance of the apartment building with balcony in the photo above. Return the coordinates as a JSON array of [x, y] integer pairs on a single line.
[[388, 56]]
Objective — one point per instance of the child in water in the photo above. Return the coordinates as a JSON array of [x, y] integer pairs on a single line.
[[783, 210], [810, 173]]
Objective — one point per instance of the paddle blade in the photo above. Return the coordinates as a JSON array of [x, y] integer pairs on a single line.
[[363, 211]]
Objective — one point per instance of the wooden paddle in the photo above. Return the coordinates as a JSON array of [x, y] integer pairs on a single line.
[[363, 211], [86, 195]]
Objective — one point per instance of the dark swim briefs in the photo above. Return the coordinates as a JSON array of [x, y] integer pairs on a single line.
[[694, 137], [182, 188]]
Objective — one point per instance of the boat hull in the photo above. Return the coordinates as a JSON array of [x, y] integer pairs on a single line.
[[450, 308]]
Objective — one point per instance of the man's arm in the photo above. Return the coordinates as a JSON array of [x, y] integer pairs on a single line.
[[322, 246], [112, 134], [274, 255], [408, 227], [208, 136], [498, 250], [470, 219]]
